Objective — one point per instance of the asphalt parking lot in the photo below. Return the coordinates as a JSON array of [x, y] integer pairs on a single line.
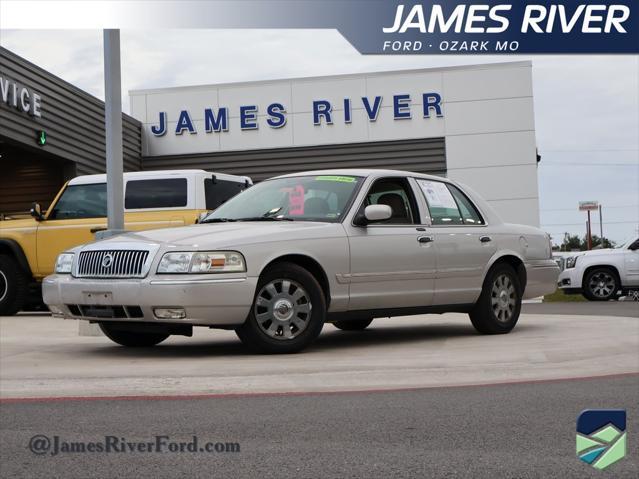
[[517, 430], [411, 397]]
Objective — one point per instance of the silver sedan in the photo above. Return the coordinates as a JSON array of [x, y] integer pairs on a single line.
[[284, 257]]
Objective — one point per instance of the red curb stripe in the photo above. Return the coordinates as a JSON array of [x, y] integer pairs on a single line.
[[170, 397]]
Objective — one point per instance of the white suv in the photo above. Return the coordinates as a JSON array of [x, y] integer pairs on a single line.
[[602, 274]]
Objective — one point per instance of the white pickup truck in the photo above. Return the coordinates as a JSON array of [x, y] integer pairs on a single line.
[[602, 274]]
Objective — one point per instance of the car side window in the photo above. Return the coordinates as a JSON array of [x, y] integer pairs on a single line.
[[469, 213], [156, 193], [448, 205], [81, 201], [441, 203], [396, 193]]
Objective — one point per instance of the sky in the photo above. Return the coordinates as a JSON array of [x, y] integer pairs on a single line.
[[586, 107]]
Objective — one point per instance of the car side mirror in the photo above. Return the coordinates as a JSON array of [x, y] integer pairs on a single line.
[[634, 246], [374, 214], [36, 211]]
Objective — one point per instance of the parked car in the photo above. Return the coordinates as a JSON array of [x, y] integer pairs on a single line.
[[282, 258], [152, 199], [601, 275]]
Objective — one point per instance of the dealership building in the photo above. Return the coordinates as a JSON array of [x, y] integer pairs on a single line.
[[50, 131], [474, 124]]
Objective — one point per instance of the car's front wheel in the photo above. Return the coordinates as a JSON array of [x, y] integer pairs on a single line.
[[131, 339], [600, 284], [288, 311], [14, 286], [498, 307], [353, 324]]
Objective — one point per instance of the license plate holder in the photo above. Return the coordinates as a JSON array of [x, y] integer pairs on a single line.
[[99, 298]]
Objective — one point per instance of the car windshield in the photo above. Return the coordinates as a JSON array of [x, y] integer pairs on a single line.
[[307, 198], [627, 243], [81, 201]]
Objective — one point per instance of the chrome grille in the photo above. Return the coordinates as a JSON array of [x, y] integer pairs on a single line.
[[111, 264]]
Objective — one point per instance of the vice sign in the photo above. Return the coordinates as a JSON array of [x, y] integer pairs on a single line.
[[20, 97]]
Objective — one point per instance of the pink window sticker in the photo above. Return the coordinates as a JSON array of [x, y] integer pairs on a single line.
[[296, 201]]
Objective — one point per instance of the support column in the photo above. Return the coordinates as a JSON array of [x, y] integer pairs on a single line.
[[113, 124]]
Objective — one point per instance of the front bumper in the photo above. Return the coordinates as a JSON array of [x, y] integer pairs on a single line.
[[570, 280], [223, 300], [541, 278]]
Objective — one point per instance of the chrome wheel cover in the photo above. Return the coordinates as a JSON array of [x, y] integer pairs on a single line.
[[602, 284], [503, 298], [282, 309]]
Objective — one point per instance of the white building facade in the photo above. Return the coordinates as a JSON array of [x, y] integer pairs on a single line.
[[474, 124]]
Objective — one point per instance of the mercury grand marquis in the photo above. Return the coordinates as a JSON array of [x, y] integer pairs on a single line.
[[280, 259]]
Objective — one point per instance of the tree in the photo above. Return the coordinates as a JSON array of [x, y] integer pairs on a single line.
[[571, 243], [596, 242], [574, 243]]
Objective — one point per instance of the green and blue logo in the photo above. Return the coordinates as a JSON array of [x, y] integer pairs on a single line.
[[601, 437]]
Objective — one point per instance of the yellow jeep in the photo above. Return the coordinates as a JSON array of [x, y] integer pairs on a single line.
[[152, 199]]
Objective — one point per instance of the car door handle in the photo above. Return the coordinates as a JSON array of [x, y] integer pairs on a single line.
[[95, 230], [485, 239], [426, 239]]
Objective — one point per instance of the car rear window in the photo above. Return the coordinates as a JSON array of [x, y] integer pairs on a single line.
[[160, 193]]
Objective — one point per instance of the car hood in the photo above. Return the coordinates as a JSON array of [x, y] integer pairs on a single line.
[[600, 252], [10, 223], [228, 235]]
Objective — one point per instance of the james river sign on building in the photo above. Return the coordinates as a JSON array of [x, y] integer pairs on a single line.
[[322, 110]]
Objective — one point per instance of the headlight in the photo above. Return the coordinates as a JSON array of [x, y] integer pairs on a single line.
[[202, 262], [64, 263], [571, 261]]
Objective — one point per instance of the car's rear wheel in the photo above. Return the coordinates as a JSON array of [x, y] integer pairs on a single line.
[[353, 324], [131, 339], [600, 284], [288, 311], [498, 307], [14, 286]]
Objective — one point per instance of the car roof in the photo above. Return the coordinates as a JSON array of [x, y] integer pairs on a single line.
[[143, 175], [364, 172]]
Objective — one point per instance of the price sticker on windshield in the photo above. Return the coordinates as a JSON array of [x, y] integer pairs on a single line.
[[341, 179], [296, 201]]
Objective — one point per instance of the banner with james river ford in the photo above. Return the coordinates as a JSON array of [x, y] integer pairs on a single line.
[[391, 27]]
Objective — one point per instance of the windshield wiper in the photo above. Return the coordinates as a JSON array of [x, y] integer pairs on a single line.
[[217, 220], [265, 218]]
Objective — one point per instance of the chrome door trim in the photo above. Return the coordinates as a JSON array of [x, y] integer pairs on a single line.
[[348, 278]]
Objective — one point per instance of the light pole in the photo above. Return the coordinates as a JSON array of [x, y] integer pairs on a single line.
[[601, 226], [113, 125], [588, 206]]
